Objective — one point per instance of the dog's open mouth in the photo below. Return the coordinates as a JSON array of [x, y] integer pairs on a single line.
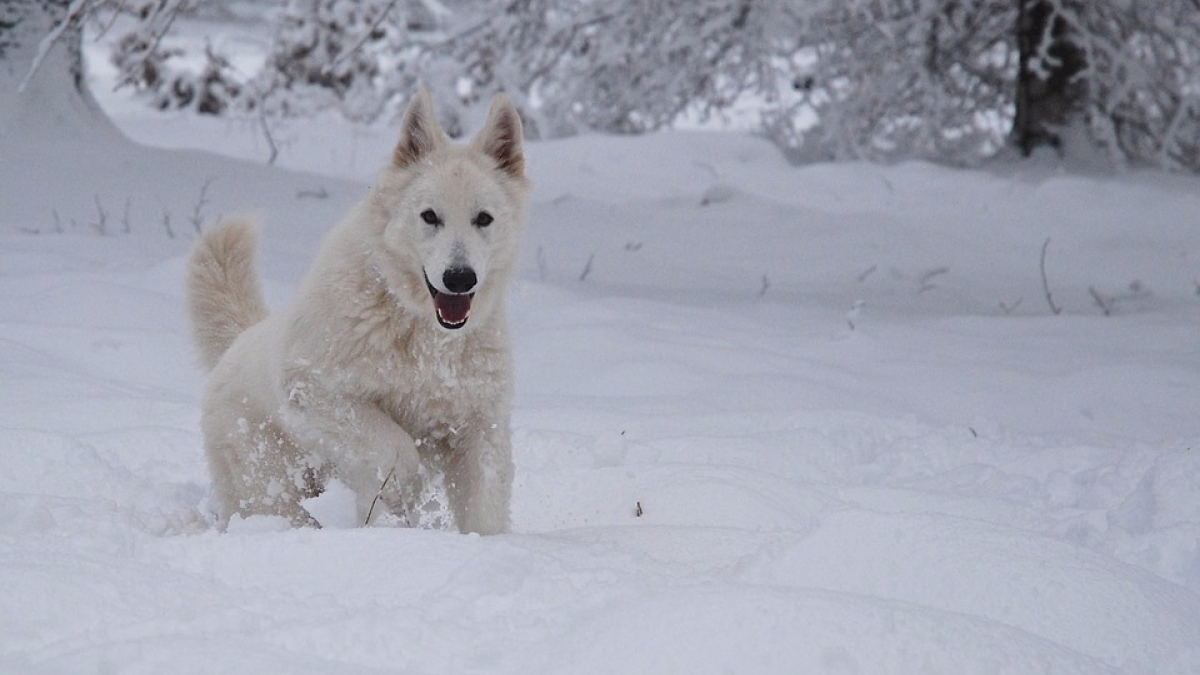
[[452, 309]]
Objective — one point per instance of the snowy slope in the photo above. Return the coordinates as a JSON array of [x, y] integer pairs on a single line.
[[858, 439]]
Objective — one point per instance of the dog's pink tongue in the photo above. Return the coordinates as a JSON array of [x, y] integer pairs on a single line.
[[453, 308]]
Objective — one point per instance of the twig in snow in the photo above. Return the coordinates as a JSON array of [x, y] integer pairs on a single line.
[[587, 268], [1046, 284], [1009, 309], [1108, 303], [637, 511], [167, 224], [867, 273], [887, 183], [319, 193], [126, 226], [766, 284], [378, 494], [266, 130], [101, 224], [925, 279], [1104, 302], [198, 208], [854, 313]]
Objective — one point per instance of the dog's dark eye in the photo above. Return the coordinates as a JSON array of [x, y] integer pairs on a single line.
[[430, 217], [483, 219]]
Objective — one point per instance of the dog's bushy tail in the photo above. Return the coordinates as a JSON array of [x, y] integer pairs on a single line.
[[224, 295]]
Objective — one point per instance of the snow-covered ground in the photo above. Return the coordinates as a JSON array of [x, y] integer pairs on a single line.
[[769, 419]]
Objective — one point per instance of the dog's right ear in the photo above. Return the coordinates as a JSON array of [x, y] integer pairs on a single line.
[[419, 131]]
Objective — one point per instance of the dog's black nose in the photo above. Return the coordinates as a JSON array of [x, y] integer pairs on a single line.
[[459, 279]]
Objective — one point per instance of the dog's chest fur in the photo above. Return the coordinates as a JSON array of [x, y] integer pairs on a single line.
[[434, 384], [438, 382]]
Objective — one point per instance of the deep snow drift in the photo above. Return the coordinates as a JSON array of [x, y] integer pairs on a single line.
[[769, 420]]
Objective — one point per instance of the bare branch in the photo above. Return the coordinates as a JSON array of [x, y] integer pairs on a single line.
[[363, 40], [1009, 309], [101, 224], [587, 268], [125, 223], [378, 495], [1104, 302], [266, 130], [198, 208], [1046, 284], [74, 12], [169, 10]]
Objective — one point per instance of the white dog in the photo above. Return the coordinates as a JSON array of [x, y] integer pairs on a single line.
[[394, 353]]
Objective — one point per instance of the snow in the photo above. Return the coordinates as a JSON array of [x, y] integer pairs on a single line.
[[769, 419]]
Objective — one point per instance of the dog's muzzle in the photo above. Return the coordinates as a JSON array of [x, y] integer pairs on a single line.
[[453, 308]]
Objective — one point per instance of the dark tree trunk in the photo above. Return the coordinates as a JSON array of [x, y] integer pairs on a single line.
[[1050, 94]]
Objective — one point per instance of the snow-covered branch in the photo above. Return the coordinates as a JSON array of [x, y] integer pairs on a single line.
[[881, 79], [76, 10]]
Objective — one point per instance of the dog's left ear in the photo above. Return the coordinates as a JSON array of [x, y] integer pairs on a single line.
[[419, 131], [500, 137]]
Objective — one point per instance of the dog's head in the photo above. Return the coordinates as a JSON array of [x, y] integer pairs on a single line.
[[454, 214]]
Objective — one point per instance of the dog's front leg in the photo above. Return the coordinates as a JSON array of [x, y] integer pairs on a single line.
[[366, 449], [479, 478]]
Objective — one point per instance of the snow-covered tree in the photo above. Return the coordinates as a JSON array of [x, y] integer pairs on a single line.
[[619, 66], [959, 79], [42, 80], [897, 78], [42, 83], [339, 54], [571, 65], [1142, 78], [327, 53], [951, 80], [144, 63]]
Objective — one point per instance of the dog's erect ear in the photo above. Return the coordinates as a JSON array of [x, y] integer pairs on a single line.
[[500, 137], [419, 132]]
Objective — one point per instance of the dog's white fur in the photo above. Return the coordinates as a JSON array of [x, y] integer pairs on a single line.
[[357, 379]]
